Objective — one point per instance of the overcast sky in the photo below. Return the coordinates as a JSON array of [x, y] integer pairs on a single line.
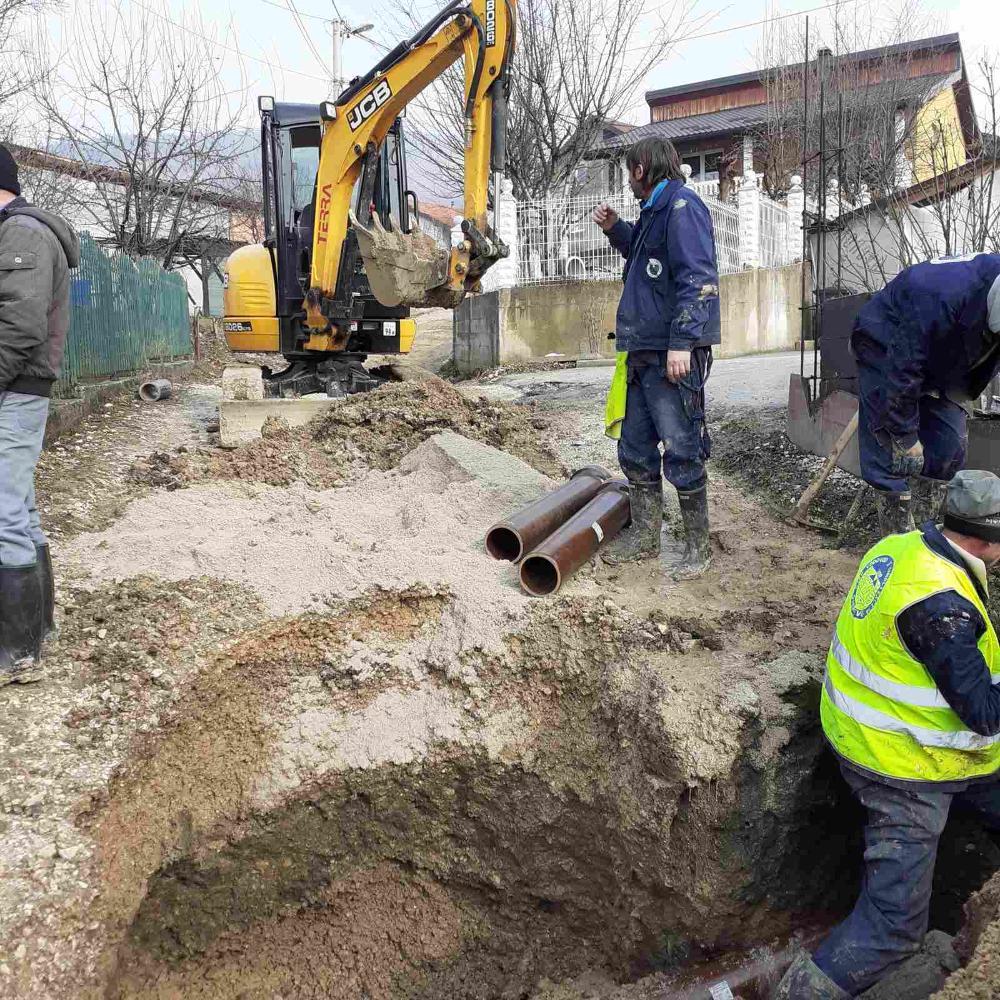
[[265, 38], [270, 32]]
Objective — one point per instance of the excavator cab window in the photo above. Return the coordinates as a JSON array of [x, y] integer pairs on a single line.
[[291, 164]]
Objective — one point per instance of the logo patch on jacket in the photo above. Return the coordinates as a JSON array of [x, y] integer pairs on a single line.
[[871, 582], [654, 268]]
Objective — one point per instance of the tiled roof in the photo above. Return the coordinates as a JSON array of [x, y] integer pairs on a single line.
[[696, 126], [443, 214]]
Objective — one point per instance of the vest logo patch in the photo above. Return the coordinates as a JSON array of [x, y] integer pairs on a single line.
[[654, 268], [871, 582]]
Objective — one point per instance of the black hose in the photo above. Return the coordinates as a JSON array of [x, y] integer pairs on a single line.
[[477, 73], [391, 58]]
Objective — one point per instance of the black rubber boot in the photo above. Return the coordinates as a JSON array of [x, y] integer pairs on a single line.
[[894, 517], [641, 540], [697, 544], [926, 499], [47, 582], [20, 624], [804, 980]]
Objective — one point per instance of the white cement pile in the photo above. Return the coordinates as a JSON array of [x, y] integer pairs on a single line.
[[302, 549]]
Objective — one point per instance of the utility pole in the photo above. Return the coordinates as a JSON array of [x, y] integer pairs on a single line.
[[341, 30]]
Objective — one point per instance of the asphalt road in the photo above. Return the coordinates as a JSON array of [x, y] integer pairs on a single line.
[[752, 381]]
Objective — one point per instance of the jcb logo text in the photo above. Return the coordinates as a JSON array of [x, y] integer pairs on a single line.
[[367, 106]]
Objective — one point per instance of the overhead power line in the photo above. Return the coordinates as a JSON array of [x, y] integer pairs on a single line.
[[748, 24], [301, 13], [293, 10], [227, 48]]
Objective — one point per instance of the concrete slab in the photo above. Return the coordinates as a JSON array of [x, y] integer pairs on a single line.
[[461, 460], [595, 363], [241, 420]]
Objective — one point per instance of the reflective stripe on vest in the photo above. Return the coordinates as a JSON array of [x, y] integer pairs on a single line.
[[905, 694], [880, 706], [963, 739]]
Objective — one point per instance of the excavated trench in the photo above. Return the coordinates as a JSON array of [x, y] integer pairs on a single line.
[[597, 794]]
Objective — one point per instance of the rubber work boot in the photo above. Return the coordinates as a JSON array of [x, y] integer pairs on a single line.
[[641, 539], [804, 980], [697, 545], [21, 614], [48, 585], [927, 499], [893, 509]]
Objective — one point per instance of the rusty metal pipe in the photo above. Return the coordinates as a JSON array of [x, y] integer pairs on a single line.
[[511, 538], [546, 567]]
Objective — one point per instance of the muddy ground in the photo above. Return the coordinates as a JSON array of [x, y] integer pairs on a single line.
[[300, 737]]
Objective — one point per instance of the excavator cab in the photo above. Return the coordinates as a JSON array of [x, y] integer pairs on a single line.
[[266, 283]]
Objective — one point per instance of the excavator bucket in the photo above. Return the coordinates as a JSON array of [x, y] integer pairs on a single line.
[[405, 269]]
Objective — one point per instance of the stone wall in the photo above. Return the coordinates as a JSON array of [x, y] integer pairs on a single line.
[[761, 311]]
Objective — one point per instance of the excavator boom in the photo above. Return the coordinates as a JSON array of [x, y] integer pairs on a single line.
[[407, 268]]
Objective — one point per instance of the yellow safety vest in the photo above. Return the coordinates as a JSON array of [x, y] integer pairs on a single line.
[[614, 407], [880, 707]]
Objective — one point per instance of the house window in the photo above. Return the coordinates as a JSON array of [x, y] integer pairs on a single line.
[[704, 166]]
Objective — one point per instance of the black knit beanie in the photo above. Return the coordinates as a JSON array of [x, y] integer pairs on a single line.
[[8, 172]]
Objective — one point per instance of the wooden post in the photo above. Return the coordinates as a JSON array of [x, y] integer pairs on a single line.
[[206, 300]]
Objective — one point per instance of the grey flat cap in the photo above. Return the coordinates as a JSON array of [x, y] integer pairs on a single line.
[[972, 506]]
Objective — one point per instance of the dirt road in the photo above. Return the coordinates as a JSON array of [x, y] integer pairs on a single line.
[[308, 740]]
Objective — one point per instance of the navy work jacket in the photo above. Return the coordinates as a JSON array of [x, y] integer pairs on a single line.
[[671, 295], [931, 330]]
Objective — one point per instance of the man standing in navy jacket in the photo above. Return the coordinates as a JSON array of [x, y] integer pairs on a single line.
[[668, 321], [927, 345]]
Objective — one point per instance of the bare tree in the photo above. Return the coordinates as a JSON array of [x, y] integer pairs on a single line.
[[955, 209], [16, 77], [873, 86], [138, 101], [578, 65]]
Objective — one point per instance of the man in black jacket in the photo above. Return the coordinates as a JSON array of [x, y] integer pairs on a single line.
[[37, 250]]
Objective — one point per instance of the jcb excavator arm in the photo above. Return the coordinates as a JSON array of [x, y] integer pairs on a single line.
[[407, 269]]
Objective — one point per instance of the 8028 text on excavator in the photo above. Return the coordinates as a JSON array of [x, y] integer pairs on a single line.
[[344, 258]]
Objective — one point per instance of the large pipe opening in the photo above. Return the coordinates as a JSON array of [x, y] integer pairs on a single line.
[[540, 576], [504, 543]]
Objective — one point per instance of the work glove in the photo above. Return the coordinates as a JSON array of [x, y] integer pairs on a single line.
[[907, 461]]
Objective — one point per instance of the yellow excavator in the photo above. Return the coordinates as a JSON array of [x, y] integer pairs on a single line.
[[344, 259]]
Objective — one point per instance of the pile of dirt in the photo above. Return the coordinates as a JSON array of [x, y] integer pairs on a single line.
[[380, 427], [374, 429]]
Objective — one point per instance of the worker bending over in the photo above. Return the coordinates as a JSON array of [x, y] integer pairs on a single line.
[[911, 706], [927, 345], [668, 321]]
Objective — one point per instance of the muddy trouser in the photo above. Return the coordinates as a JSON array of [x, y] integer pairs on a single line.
[[659, 412], [889, 920], [942, 431], [22, 428]]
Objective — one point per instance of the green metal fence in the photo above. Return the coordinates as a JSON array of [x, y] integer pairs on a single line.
[[125, 314]]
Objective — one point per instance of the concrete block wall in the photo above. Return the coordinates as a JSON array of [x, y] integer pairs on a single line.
[[761, 311]]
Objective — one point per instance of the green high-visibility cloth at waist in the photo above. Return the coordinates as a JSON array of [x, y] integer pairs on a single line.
[[614, 407]]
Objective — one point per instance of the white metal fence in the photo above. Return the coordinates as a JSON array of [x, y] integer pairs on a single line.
[[557, 239], [774, 234]]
